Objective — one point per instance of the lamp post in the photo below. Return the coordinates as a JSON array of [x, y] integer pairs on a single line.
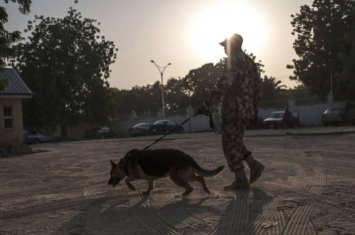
[[161, 71], [331, 96]]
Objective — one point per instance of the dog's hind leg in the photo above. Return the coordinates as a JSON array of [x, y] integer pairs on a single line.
[[185, 185], [150, 187], [202, 181], [174, 176]]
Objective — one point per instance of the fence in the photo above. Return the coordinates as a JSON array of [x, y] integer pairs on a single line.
[[148, 114], [299, 101], [276, 104], [310, 110]]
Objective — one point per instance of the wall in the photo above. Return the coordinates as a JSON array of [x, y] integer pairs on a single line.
[[309, 114], [310, 110], [199, 123], [15, 135]]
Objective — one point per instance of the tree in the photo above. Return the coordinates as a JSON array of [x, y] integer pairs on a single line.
[[66, 64], [198, 83], [201, 81], [175, 96], [346, 79], [299, 91], [140, 99], [270, 87], [192, 90], [320, 31], [260, 66], [7, 39]]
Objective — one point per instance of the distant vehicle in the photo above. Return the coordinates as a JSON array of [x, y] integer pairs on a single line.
[[338, 116], [140, 129], [162, 126], [35, 137], [100, 133], [277, 120]]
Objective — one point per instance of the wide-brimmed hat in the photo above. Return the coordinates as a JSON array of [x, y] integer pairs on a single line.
[[234, 39]]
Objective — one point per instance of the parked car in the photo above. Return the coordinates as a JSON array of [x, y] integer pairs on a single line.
[[162, 126], [140, 129], [338, 116], [35, 137], [277, 120], [100, 133]]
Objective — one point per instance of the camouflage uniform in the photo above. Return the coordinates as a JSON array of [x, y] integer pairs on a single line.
[[240, 87]]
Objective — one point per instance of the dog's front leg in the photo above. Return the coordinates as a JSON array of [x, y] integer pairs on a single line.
[[128, 181], [150, 187]]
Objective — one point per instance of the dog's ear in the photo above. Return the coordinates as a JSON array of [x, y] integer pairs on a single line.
[[112, 163]]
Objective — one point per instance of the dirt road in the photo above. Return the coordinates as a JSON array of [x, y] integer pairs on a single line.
[[308, 188]]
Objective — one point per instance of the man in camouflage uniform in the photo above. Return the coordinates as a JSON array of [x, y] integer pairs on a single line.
[[240, 91]]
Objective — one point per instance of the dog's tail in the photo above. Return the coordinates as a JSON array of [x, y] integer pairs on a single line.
[[206, 173]]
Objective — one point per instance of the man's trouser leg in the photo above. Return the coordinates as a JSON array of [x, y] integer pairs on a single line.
[[255, 167], [232, 142], [235, 151]]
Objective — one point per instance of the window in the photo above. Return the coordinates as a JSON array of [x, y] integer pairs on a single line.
[[162, 122], [8, 119], [105, 129], [277, 115]]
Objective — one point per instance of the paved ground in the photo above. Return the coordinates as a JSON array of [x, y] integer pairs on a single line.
[[308, 188]]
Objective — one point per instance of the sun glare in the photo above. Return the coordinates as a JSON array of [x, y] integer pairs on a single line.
[[220, 20]]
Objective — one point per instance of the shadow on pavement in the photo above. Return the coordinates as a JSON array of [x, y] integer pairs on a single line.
[[241, 214], [136, 214]]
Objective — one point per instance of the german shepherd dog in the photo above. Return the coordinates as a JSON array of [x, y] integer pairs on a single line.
[[155, 164]]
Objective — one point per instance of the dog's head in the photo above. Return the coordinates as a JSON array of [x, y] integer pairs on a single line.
[[117, 173]]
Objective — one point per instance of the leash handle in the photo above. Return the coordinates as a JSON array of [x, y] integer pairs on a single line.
[[168, 132]]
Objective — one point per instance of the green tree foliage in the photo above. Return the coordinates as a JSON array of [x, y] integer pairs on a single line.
[[299, 91], [140, 99], [7, 39], [271, 88], [24, 5], [320, 31], [260, 66], [66, 64], [176, 97], [178, 92], [198, 83], [346, 79], [201, 81], [193, 89]]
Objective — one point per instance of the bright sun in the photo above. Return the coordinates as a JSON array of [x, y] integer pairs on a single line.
[[221, 20]]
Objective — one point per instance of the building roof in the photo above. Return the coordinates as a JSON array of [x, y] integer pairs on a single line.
[[17, 85]]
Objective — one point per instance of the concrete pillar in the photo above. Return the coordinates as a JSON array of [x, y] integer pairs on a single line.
[[291, 103], [159, 113], [189, 113], [133, 115], [330, 100]]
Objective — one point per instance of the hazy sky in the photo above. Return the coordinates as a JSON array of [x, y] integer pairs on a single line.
[[185, 33]]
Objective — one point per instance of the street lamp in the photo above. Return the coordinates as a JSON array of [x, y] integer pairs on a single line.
[[161, 71], [331, 95]]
